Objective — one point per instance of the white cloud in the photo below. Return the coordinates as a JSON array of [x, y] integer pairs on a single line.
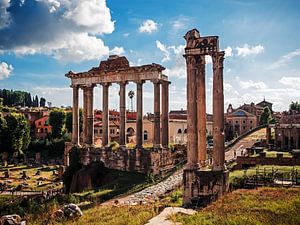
[[292, 82], [250, 84], [163, 48], [93, 15], [228, 51], [4, 15], [117, 51], [180, 23], [148, 26], [5, 70], [248, 50], [73, 27], [285, 59]]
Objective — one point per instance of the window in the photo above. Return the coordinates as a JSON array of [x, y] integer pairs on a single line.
[[46, 130], [100, 131], [40, 123], [112, 131], [179, 131], [244, 121], [251, 121], [244, 128], [145, 135], [185, 131], [236, 121]]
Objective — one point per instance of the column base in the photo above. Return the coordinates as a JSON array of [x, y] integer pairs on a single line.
[[204, 187]]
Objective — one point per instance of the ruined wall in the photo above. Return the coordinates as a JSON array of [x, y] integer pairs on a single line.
[[138, 160]]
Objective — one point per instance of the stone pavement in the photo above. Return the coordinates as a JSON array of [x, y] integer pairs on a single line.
[[162, 218], [152, 193]]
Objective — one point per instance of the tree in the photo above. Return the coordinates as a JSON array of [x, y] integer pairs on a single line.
[[28, 100], [295, 106], [69, 118], [266, 116], [14, 133], [57, 121], [42, 102]]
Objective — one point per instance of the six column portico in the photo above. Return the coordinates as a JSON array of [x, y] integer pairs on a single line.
[[139, 117], [117, 70], [105, 115], [75, 115]]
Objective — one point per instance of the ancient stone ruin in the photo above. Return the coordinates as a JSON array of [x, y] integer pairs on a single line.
[[203, 185], [116, 69]]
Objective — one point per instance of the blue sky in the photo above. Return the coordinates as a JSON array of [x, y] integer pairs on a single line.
[[41, 40]]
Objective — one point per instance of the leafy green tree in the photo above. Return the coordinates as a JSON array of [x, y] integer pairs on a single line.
[[69, 118], [42, 102], [266, 116], [295, 106], [57, 119], [15, 133]]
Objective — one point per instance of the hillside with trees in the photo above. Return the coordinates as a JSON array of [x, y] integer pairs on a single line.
[[20, 98]]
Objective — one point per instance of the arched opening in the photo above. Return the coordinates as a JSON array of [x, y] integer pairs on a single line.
[[145, 135], [130, 131], [179, 131]]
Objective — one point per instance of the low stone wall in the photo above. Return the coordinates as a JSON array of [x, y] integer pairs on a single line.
[[243, 162], [138, 160]]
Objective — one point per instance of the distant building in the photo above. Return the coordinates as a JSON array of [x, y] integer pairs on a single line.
[[42, 128]]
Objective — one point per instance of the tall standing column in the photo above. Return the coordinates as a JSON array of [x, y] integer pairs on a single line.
[[156, 141], [192, 139], [218, 112], [90, 115], [122, 140], [105, 115], [165, 114], [75, 115], [139, 110], [201, 116], [84, 125]]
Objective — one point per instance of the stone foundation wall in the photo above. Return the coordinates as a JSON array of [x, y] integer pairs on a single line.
[[138, 160], [203, 187]]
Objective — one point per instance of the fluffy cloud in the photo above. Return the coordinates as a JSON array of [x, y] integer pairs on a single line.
[[148, 26], [164, 49], [64, 29], [5, 70], [292, 82], [285, 59], [117, 51], [248, 50], [228, 51]]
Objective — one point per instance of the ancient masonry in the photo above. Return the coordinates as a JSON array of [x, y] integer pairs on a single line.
[[203, 185], [117, 70]]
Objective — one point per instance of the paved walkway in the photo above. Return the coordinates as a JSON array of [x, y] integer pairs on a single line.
[[162, 218]]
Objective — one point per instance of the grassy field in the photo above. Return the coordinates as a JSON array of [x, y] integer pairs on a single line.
[[268, 206], [45, 180]]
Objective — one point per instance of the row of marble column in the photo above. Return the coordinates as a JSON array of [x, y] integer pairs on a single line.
[[196, 109], [161, 114]]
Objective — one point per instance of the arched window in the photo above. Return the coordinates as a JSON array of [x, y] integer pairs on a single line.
[[179, 131], [130, 131], [185, 131]]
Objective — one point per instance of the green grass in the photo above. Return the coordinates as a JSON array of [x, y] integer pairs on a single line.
[[268, 206], [273, 154]]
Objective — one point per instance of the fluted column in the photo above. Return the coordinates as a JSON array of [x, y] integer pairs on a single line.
[[192, 137], [84, 124], [105, 114], [75, 115], [218, 112], [165, 114], [90, 115], [201, 106], [122, 139], [156, 141], [139, 110]]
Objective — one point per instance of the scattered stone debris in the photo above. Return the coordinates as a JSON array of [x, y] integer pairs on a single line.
[[70, 211], [12, 220]]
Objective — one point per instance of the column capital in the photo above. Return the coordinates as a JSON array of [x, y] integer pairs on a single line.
[[139, 82], [107, 84], [190, 59], [166, 82], [200, 60], [218, 59], [123, 83], [156, 81]]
